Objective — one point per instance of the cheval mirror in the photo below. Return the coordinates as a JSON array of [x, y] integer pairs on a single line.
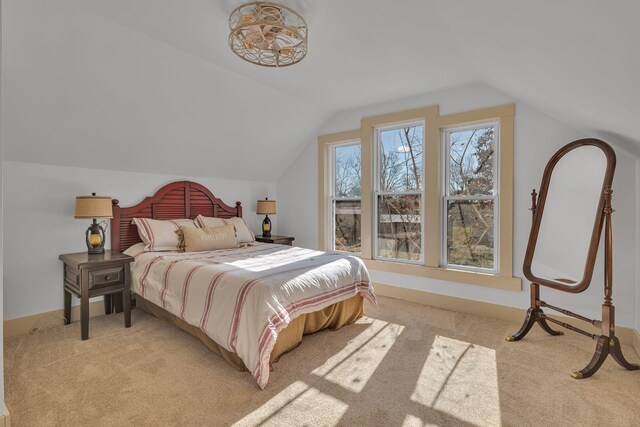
[[569, 213]]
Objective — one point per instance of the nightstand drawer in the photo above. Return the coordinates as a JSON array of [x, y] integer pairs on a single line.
[[106, 277]]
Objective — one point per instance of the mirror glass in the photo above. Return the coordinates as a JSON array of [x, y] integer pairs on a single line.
[[569, 213]]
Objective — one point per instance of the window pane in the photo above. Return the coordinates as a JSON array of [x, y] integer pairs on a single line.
[[471, 161], [347, 170], [400, 154], [470, 237], [347, 223], [399, 227]]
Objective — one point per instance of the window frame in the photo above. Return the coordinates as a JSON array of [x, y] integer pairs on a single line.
[[332, 194], [376, 191], [446, 197], [324, 146], [434, 123]]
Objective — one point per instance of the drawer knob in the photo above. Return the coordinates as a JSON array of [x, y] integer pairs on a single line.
[[107, 277]]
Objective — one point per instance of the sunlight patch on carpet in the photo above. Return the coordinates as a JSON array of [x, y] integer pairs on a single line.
[[354, 365], [413, 421], [460, 379], [298, 398]]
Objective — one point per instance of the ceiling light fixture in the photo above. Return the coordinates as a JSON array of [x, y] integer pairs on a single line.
[[268, 34]]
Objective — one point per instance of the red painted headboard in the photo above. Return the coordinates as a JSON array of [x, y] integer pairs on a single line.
[[180, 199]]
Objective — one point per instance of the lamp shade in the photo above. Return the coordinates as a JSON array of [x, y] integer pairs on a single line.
[[93, 207], [266, 207]]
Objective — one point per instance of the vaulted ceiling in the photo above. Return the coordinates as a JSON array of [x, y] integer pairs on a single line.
[[151, 85]]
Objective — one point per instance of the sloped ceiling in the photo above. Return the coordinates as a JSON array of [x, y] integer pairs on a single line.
[[577, 60], [151, 85]]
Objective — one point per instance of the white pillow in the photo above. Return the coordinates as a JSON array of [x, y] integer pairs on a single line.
[[135, 250], [208, 222], [158, 235], [243, 232]]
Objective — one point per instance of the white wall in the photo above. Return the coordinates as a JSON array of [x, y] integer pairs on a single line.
[[77, 83], [38, 207], [1, 232], [1, 236], [537, 137], [637, 258]]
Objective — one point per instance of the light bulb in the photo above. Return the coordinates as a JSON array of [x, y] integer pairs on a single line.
[[95, 239]]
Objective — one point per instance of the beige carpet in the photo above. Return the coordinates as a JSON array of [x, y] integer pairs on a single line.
[[404, 365]]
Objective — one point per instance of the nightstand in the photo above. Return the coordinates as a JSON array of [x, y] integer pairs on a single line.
[[280, 240], [87, 276]]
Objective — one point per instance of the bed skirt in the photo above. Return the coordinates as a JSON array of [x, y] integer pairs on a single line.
[[332, 317]]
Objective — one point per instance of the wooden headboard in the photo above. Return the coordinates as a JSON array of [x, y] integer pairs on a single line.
[[180, 199]]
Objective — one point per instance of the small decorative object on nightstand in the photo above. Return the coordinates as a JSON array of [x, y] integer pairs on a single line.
[[87, 276], [266, 207], [280, 240], [92, 207]]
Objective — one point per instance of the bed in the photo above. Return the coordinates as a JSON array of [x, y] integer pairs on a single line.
[[249, 304]]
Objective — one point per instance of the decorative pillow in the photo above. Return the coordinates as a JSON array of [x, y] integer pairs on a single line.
[[158, 235], [244, 233], [135, 250], [209, 238]]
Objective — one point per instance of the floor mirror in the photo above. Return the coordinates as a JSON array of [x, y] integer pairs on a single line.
[[570, 212]]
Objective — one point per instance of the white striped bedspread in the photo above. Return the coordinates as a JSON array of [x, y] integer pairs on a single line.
[[242, 297]]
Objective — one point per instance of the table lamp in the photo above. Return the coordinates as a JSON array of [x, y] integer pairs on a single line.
[[266, 207], [93, 207]]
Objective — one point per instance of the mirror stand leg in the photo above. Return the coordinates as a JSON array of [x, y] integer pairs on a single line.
[[534, 314], [602, 351], [604, 347], [529, 321], [545, 326], [616, 352]]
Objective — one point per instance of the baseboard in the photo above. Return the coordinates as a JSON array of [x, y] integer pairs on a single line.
[[627, 336], [23, 325], [636, 342], [5, 420]]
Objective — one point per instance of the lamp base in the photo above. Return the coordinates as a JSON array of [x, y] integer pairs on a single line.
[[266, 226], [95, 239], [96, 251]]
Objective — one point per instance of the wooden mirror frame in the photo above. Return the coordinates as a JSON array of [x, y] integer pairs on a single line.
[[538, 212]]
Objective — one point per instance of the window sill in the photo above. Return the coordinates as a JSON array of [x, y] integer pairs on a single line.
[[447, 274]]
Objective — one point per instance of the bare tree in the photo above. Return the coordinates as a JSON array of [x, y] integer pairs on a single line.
[[348, 167], [471, 173], [400, 172], [347, 175], [399, 214]]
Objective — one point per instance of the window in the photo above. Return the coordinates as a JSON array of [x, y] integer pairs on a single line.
[[398, 194], [417, 193], [470, 197], [345, 197]]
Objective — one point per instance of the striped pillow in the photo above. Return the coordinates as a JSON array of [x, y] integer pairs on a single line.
[[158, 235], [244, 233]]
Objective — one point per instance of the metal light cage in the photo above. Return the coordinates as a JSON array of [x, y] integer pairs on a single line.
[[268, 34]]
